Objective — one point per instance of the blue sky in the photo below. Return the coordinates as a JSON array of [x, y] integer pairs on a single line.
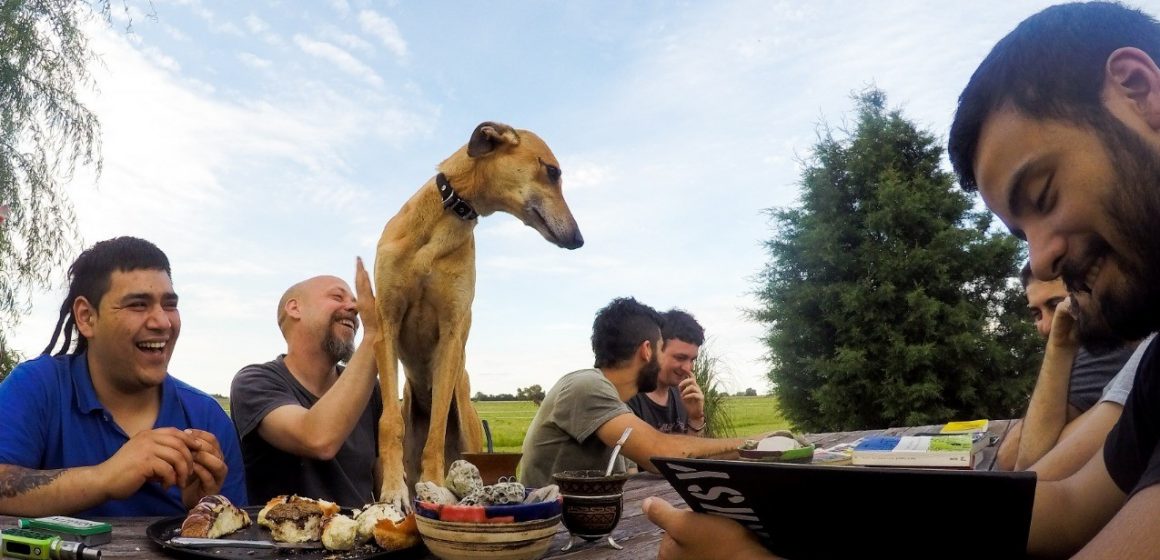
[[259, 143]]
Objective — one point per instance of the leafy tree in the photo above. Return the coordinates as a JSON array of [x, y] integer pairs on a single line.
[[45, 131], [751, 392], [888, 299], [707, 372], [8, 360], [535, 393], [484, 397]]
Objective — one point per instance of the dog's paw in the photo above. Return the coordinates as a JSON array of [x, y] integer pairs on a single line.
[[397, 496]]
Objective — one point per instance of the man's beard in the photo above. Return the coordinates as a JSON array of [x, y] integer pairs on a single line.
[[646, 378], [1129, 307], [336, 348]]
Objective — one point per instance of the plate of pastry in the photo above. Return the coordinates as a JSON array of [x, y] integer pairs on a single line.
[[288, 527]]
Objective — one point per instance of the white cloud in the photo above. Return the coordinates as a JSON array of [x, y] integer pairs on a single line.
[[340, 58], [582, 174], [174, 33], [255, 24], [384, 30], [161, 59], [348, 40], [254, 61], [260, 28], [207, 15], [341, 7]]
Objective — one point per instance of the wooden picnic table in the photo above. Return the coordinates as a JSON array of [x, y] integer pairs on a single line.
[[635, 533]]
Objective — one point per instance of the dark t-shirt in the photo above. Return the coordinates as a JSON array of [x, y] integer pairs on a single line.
[[1132, 450], [671, 419], [1091, 373], [347, 479]]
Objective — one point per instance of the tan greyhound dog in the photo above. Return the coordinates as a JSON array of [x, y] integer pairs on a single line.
[[425, 283]]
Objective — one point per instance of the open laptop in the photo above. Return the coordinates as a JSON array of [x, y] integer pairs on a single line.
[[814, 512]]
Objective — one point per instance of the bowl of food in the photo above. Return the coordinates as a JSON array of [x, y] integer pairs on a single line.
[[779, 447], [493, 466], [454, 540], [515, 530]]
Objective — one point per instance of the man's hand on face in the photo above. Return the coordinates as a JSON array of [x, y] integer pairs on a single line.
[[697, 536], [693, 398], [209, 469], [1063, 334], [163, 455], [368, 312]]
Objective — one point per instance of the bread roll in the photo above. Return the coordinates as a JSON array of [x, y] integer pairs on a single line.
[[340, 532], [388, 526], [213, 517], [295, 519]]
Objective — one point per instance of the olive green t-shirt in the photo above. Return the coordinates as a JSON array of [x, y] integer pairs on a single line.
[[562, 436]]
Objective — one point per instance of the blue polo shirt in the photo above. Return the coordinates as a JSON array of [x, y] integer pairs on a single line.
[[50, 418]]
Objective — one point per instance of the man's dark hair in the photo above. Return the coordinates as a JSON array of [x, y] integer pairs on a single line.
[[682, 326], [90, 275], [1025, 274], [619, 329], [1051, 67]]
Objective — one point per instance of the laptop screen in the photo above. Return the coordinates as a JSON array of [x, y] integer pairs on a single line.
[[818, 512]]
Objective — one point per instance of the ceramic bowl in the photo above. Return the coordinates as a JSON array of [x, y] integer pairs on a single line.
[[593, 502], [487, 541], [494, 465]]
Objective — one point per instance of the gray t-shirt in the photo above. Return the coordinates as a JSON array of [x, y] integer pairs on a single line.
[[671, 419], [347, 479], [562, 436], [1118, 388], [1090, 373]]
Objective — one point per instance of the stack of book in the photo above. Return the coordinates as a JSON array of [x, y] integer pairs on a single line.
[[953, 446]]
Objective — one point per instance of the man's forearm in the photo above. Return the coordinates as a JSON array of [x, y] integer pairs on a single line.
[[34, 493], [676, 445], [1047, 412], [330, 421]]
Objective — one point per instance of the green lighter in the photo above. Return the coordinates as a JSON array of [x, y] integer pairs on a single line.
[[37, 545]]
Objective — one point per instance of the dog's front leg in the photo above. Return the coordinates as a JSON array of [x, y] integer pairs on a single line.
[[391, 430], [447, 370]]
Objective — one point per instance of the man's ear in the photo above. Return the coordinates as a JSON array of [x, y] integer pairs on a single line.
[[293, 309], [645, 351], [1132, 81], [85, 316]]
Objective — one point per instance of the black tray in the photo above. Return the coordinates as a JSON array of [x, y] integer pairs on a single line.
[[161, 531]]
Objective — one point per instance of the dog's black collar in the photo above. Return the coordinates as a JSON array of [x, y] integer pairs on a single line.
[[452, 200]]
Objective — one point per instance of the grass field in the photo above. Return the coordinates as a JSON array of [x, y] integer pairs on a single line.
[[509, 420]]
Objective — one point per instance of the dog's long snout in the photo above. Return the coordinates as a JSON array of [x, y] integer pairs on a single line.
[[576, 241], [554, 221], [566, 235]]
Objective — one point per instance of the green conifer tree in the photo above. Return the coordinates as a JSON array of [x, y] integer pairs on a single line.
[[888, 298]]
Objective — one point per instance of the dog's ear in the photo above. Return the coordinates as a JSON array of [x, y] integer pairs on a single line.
[[488, 136]]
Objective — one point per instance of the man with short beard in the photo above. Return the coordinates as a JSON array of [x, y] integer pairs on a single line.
[[1077, 398], [308, 425], [585, 413]]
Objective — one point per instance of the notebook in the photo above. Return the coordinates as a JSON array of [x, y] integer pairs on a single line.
[[805, 512]]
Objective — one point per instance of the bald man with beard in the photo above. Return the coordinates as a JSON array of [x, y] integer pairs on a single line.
[[308, 425]]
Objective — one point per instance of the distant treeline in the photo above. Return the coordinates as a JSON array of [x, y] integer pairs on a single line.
[[535, 394]]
